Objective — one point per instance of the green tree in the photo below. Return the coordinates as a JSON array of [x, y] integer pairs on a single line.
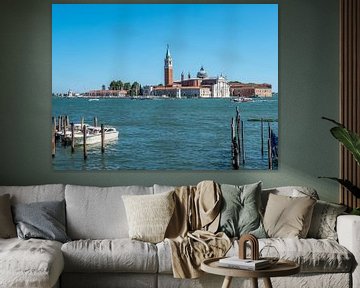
[[116, 85], [127, 86], [112, 85], [119, 85], [135, 89]]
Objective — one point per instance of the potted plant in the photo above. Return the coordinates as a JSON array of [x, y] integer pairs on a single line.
[[351, 141]]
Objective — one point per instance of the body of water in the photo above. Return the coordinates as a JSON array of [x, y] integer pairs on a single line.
[[167, 134]]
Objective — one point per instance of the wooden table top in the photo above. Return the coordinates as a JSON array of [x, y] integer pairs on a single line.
[[281, 268]]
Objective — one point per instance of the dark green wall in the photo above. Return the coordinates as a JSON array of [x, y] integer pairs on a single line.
[[308, 87]]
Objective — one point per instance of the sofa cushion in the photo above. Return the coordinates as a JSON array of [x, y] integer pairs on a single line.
[[36, 193], [44, 220], [117, 255], [30, 263], [287, 216], [98, 213], [240, 210], [313, 255], [7, 226], [149, 215], [323, 222], [291, 191]]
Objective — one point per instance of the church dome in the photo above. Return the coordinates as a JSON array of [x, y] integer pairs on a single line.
[[202, 73]]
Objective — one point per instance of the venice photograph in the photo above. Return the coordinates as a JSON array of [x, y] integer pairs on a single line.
[[164, 87]]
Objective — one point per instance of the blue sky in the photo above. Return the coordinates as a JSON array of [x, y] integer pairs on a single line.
[[93, 44]]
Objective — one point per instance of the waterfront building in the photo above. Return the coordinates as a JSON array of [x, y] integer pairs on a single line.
[[240, 89], [218, 85], [263, 92], [200, 86], [105, 93], [168, 68]]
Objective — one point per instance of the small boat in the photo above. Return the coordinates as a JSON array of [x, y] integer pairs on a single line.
[[93, 135], [93, 99], [59, 134], [242, 99]]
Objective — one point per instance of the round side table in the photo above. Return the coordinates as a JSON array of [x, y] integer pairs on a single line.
[[281, 268]]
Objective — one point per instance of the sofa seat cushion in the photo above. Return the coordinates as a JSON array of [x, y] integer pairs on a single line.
[[30, 263], [313, 255], [115, 255]]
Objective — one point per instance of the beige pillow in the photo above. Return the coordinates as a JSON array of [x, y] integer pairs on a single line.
[[7, 226], [149, 215], [288, 217]]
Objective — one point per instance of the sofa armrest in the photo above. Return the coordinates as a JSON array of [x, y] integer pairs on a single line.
[[348, 230]]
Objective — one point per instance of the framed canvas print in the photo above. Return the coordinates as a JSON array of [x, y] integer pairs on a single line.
[[164, 86]]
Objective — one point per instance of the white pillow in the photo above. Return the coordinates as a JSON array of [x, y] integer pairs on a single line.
[[149, 215]]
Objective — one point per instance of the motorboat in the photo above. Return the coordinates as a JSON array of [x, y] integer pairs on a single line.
[[242, 99], [63, 135], [93, 135]]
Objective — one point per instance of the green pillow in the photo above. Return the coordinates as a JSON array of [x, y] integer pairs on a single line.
[[240, 213]]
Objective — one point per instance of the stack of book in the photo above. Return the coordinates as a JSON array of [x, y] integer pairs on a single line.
[[248, 264]]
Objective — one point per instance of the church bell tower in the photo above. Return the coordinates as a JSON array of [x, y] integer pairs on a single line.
[[168, 69]]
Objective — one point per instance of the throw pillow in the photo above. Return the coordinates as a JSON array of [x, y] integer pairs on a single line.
[[149, 215], [7, 227], [323, 222], [44, 220], [240, 213], [288, 217]]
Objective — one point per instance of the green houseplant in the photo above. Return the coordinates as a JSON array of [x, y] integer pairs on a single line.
[[351, 142]]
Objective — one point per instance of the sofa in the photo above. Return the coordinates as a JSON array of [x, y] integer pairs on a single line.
[[99, 252]]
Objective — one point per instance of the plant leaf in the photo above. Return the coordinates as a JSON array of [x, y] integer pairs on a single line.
[[349, 139], [347, 184], [333, 121]]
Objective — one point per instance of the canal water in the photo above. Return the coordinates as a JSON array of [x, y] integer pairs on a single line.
[[167, 134]]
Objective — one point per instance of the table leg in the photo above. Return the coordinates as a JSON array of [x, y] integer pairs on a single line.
[[227, 282], [254, 282], [267, 283]]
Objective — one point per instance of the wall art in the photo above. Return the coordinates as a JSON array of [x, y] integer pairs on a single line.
[[164, 86]]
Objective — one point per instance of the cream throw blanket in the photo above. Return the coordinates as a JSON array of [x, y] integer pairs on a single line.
[[191, 231]]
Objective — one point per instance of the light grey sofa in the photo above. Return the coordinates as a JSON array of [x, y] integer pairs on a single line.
[[101, 254]]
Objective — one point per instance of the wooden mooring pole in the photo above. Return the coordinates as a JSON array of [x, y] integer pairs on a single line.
[[102, 138], [237, 140], [242, 142], [64, 132], [84, 142], [262, 137], [60, 123], [238, 134], [95, 122], [72, 138], [269, 149], [53, 146], [234, 146]]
